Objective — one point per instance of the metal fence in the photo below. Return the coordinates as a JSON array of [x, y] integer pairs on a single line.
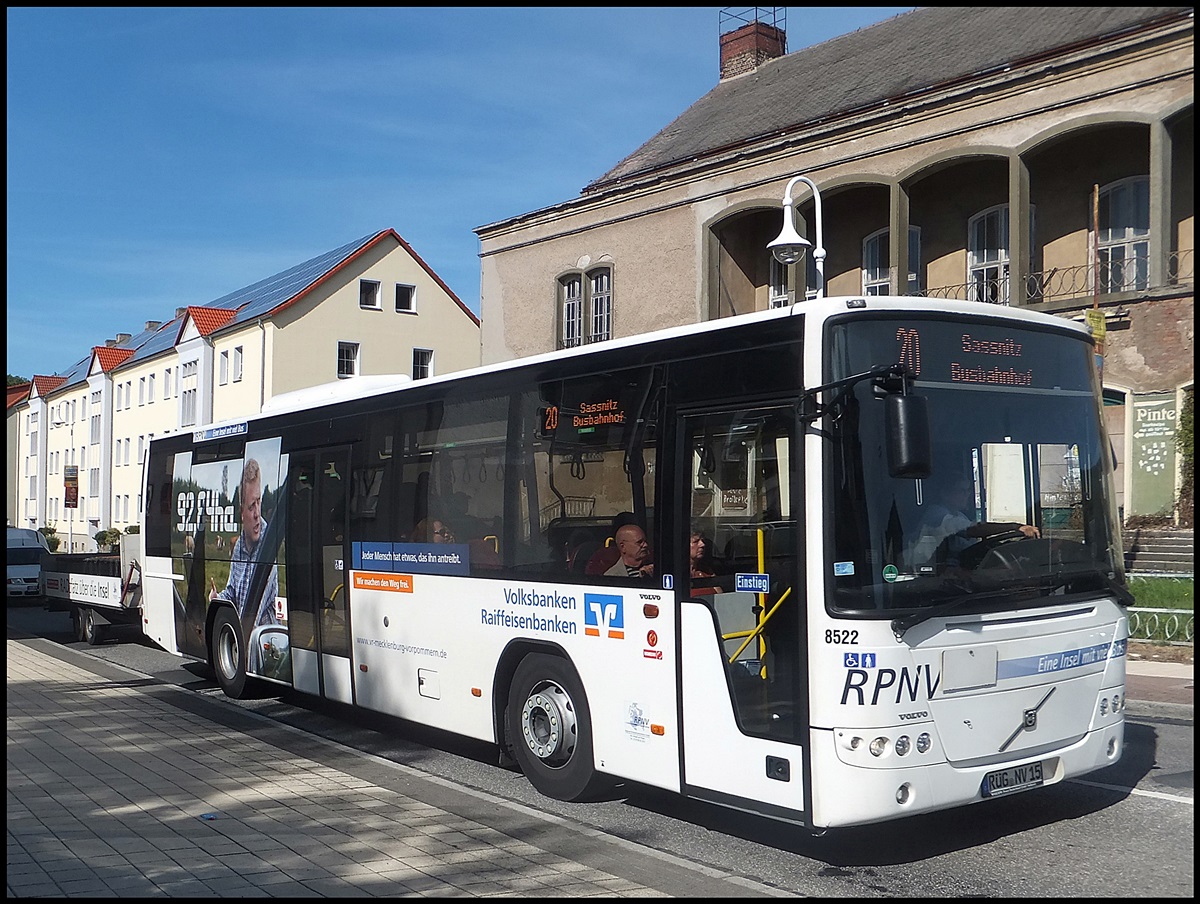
[[1176, 626]]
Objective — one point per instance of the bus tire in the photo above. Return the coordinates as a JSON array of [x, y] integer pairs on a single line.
[[93, 633], [550, 728], [77, 623], [227, 653]]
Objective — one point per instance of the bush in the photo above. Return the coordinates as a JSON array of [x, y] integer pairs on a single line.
[[53, 541]]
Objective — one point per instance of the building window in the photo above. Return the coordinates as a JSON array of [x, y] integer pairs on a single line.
[[223, 373], [585, 318], [150, 390], [347, 360], [987, 256], [781, 285], [406, 299], [876, 267], [600, 300], [1124, 246], [188, 414], [141, 391], [422, 363], [237, 364], [94, 483], [167, 383], [571, 303], [368, 295]]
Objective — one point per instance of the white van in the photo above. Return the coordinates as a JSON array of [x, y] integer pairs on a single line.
[[24, 560]]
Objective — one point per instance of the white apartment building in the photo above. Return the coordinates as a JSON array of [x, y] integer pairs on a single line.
[[370, 307]]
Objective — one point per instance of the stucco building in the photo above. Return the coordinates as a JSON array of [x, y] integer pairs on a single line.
[[369, 307], [1039, 157]]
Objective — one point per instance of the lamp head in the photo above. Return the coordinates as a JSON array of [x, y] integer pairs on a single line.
[[789, 246]]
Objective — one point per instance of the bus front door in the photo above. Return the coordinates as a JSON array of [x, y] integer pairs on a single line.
[[742, 606], [318, 599]]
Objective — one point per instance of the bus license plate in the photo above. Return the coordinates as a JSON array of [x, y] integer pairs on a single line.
[[1006, 781]]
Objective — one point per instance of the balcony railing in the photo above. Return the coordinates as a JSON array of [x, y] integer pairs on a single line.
[[1062, 283]]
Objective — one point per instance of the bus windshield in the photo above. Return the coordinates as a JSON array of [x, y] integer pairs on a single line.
[[1018, 505]]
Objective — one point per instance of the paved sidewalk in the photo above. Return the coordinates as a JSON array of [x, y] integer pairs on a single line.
[[120, 785], [115, 790]]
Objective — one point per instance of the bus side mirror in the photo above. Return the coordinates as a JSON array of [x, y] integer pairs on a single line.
[[906, 423]]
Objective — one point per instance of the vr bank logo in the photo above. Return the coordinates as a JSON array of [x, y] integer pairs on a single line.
[[603, 613]]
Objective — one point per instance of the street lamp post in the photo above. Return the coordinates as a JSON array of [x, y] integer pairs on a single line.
[[789, 246]]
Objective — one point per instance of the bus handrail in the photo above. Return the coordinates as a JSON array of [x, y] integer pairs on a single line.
[[759, 627]]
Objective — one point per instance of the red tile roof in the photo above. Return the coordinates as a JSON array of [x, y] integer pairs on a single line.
[[209, 319], [110, 357], [46, 385], [18, 392]]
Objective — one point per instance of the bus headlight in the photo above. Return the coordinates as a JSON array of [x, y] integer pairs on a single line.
[[903, 745], [1104, 706], [924, 742], [878, 746]]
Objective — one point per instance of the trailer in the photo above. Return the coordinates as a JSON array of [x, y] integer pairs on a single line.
[[100, 590]]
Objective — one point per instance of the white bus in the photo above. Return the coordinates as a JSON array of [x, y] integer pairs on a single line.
[[857, 652]]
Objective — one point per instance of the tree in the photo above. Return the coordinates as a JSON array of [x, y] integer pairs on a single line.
[[1185, 442], [16, 381]]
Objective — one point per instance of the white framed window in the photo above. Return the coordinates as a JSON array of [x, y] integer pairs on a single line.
[[223, 369], [166, 383], [876, 267], [141, 449], [94, 483], [780, 293], [422, 363], [368, 295], [150, 390], [141, 391], [585, 307], [570, 290], [188, 405], [600, 301], [406, 299], [237, 364], [116, 452], [347, 359], [1124, 241], [987, 256]]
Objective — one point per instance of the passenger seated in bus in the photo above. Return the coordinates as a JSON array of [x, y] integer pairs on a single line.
[[635, 554], [608, 555], [950, 520], [702, 565]]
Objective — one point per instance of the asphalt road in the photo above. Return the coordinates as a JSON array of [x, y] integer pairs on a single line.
[[1125, 831]]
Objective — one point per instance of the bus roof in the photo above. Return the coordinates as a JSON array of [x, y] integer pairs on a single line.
[[380, 384]]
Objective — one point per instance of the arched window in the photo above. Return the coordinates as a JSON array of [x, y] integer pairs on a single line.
[[1124, 240], [585, 307], [876, 266], [987, 256]]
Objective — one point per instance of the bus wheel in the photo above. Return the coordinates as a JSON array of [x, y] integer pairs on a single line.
[[227, 654], [77, 622], [550, 728], [92, 632]]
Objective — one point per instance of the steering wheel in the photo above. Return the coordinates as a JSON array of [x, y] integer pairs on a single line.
[[989, 547]]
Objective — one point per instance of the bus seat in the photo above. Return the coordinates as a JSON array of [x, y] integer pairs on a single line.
[[603, 558]]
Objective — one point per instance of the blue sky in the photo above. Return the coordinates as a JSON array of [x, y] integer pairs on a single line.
[[165, 157]]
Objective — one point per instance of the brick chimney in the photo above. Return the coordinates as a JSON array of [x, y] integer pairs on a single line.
[[153, 324], [123, 337], [745, 49]]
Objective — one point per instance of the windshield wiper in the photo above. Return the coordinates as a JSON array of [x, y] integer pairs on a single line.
[[1044, 586]]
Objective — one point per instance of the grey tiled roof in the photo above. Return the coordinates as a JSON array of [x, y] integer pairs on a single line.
[[914, 51]]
